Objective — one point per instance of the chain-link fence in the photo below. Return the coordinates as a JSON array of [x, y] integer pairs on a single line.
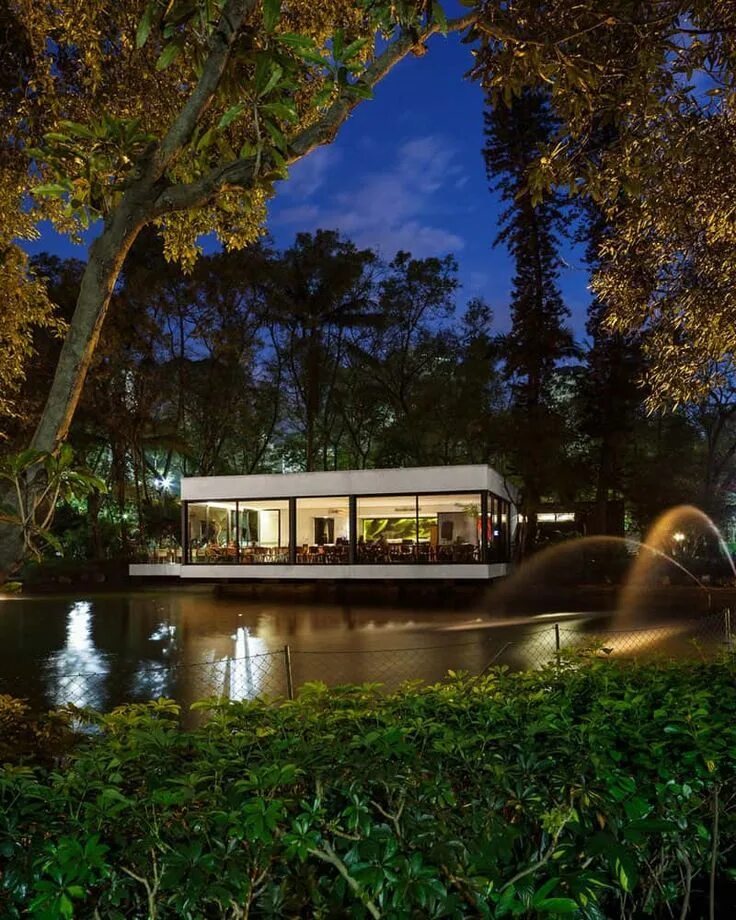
[[280, 673]]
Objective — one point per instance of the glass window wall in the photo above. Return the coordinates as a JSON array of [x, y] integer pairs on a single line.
[[388, 528], [212, 532], [499, 549], [431, 528], [264, 530], [322, 530], [238, 531], [450, 528]]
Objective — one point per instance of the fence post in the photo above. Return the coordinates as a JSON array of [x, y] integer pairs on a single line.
[[557, 643], [289, 675], [729, 634]]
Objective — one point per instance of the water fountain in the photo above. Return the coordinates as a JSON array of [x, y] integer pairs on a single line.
[[644, 596], [579, 566], [675, 533]]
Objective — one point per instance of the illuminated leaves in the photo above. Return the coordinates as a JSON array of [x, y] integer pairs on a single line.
[[646, 109], [25, 308]]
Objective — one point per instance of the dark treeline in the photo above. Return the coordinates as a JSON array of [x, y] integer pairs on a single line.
[[324, 356]]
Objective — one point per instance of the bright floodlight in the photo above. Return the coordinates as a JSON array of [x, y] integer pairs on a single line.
[[678, 537], [164, 483]]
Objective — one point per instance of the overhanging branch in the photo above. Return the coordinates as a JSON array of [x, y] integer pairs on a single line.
[[241, 173], [186, 121]]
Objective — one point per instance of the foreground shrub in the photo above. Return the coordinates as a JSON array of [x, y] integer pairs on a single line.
[[593, 791]]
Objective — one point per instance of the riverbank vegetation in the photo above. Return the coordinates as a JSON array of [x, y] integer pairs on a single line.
[[589, 790]]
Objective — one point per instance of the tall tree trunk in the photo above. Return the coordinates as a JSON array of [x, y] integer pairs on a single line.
[[311, 401], [603, 485], [93, 513], [106, 256]]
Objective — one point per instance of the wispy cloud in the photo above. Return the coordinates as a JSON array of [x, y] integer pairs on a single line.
[[309, 174], [399, 206]]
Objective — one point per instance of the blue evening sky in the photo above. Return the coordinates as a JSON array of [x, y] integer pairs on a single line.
[[406, 172]]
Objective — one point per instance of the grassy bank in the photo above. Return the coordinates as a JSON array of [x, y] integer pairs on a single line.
[[597, 790]]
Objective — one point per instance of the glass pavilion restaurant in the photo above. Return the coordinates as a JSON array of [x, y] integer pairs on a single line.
[[444, 522]]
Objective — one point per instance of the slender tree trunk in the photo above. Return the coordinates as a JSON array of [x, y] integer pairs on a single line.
[[106, 256], [93, 512], [603, 486], [311, 402]]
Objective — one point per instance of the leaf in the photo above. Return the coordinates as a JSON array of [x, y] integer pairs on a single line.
[[168, 55], [558, 906], [24, 459], [354, 47], [323, 97], [249, 150], [276, 135], [297, 41], [271, 14], [276, 74], [206, 140], [232, 113], [79, 129], [438, 15], [52, 540], [361, 90], [144, 27], [546, 889], [284, 110], [51, 190]]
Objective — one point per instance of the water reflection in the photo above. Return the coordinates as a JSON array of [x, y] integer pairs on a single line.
[[191, 643], [77, 671], [246, 673], [151, 682]]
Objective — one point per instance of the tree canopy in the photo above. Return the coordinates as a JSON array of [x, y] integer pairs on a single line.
[[658, 77], [180, 114]]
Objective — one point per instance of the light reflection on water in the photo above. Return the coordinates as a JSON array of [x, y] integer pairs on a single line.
[[100, 650], [77, 670]]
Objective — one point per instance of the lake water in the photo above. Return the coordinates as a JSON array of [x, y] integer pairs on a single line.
[[102, 649]]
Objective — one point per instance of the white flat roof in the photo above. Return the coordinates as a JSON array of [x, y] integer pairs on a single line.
[[470, 478]]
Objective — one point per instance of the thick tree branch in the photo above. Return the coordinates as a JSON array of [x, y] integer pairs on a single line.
[[186, 121], [241, 173]]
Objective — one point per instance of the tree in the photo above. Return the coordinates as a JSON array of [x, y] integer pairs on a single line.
[[538, 340], [416, 297], [26, 308], [32, 510], [242, 90], [57, 282], [611, 388], [661, 76], [319, 292], [714, 419]]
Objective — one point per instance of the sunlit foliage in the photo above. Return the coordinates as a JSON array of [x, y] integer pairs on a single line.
[[179, 114], [657, 81]]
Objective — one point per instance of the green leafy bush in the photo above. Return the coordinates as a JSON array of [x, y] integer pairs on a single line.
[[593, 790]]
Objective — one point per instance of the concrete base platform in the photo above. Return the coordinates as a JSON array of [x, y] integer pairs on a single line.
[[155, 569], [311, 573]]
